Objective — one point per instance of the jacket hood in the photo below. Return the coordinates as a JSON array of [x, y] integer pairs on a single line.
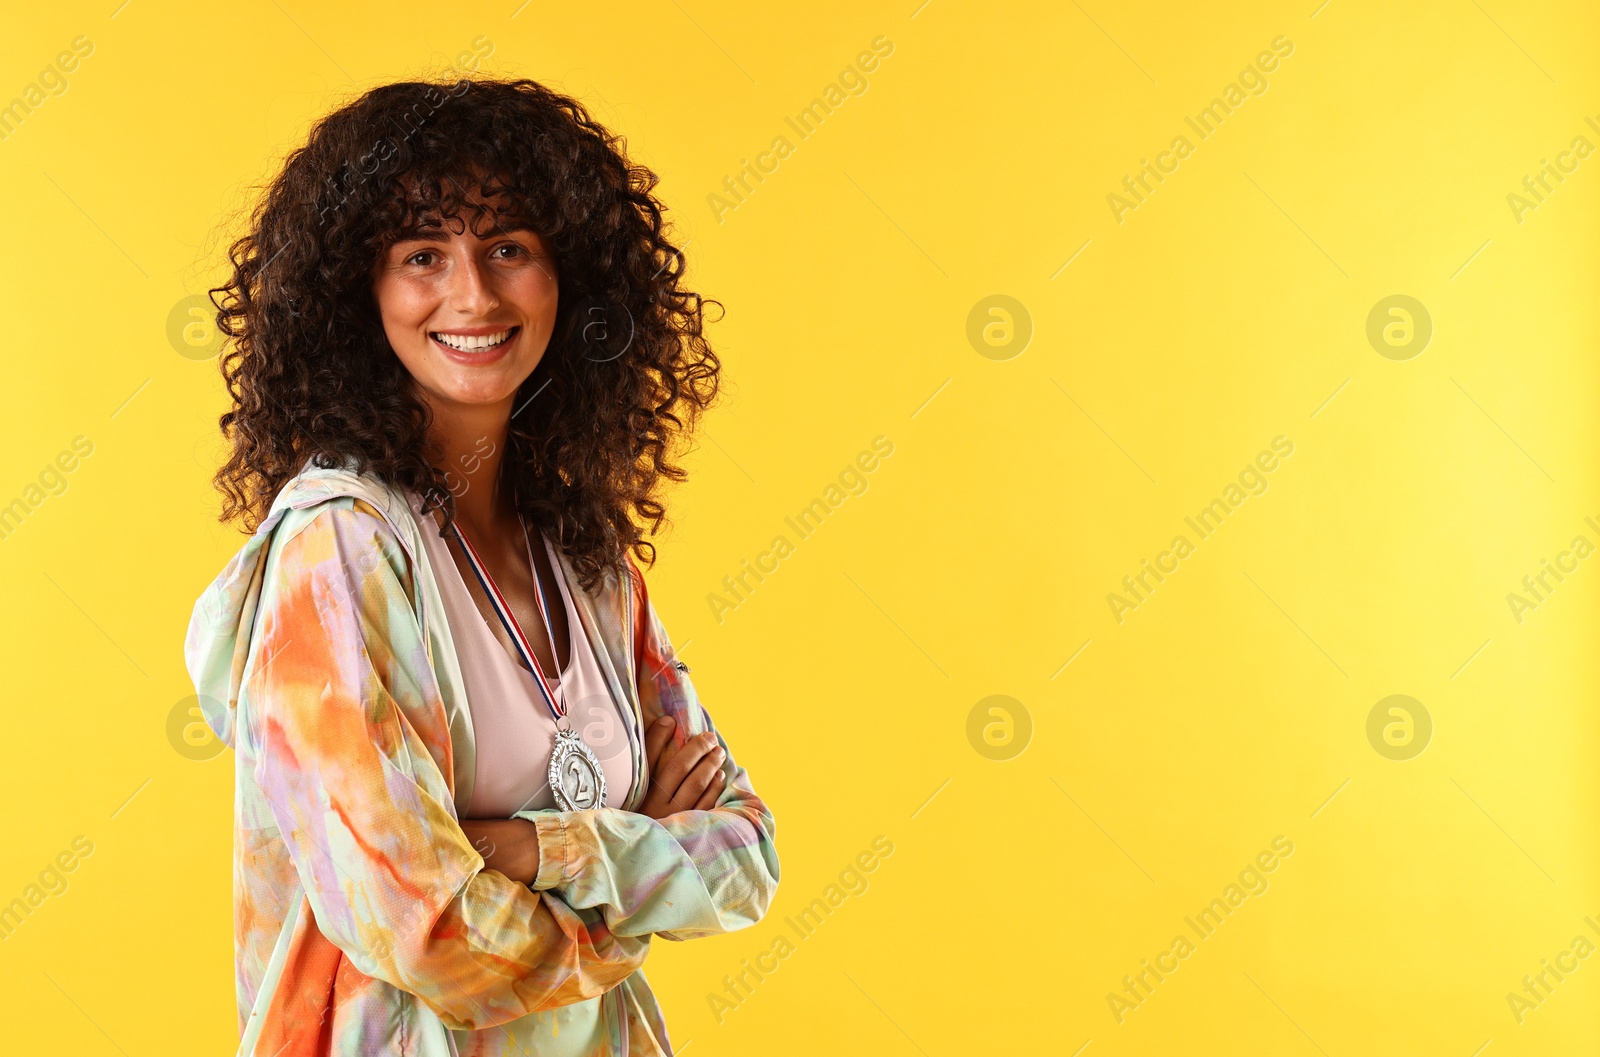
[[217, 645]]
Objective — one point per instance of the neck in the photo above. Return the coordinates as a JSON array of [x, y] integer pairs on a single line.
[[472, 440]]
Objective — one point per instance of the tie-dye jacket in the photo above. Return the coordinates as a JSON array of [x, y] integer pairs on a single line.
[[364, 920]]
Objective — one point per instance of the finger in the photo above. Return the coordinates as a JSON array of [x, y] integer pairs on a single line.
[[713, 793], [674, 746], [656, 739], [684, 759], [655, 800], [664, 758], [678, 761], [697, 780], [675, 762]]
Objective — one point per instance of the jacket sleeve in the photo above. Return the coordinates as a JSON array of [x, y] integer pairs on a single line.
[[351, 745], [693, 873]]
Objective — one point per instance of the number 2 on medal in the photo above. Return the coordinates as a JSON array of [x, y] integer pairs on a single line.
[[580, 776]]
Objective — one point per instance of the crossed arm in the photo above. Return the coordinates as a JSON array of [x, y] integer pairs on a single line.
[[685, 777], [697, 858], [347, 740]]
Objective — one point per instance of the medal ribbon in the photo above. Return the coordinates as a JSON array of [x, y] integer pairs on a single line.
[[509, 619]]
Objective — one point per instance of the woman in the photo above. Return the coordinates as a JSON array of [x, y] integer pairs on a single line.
[[472, 777]]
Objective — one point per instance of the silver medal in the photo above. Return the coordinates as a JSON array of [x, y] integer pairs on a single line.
[[576, 777]]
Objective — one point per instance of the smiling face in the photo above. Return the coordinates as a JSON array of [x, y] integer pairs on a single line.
[[468, 308]]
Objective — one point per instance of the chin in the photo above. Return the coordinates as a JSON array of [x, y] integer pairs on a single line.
[[477, 394]]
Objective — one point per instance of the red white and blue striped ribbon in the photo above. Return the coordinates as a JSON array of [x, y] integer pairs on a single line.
[[558, 709]]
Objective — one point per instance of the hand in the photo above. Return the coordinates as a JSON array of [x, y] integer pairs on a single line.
[[685, 777], [509, 845]]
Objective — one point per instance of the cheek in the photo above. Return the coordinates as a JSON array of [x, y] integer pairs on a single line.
[[534, 291], [403, 304], [403, 311]]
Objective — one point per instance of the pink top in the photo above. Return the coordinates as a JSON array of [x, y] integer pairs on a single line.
[[512, 726]]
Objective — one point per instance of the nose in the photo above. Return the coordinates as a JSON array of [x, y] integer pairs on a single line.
[[472, 289]]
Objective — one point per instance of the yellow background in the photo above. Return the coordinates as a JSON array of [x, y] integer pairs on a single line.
[[1224, 311]]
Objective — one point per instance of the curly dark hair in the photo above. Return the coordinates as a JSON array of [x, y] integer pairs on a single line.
[[627, 371]]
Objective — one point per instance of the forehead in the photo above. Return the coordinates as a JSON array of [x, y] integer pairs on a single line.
[[467, 206]]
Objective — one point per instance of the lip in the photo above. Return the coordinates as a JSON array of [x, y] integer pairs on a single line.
[[480, 356]]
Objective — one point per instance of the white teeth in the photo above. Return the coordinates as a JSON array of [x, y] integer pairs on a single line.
[[474, 342]]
